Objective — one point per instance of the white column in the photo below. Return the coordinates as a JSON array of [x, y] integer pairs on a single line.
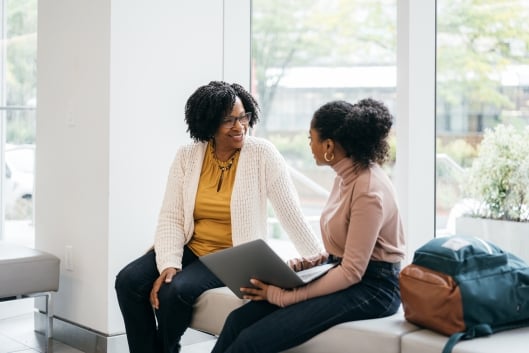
[[415, 167], [2, 115]]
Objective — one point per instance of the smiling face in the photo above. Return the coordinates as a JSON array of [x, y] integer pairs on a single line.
[[229, 139]]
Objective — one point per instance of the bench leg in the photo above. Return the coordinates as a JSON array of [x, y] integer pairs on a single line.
[[49, 321]]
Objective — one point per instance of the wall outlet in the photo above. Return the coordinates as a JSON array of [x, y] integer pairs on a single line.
[[68, 257], [70, 120]]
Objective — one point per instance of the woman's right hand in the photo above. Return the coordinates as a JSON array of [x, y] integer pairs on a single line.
[[165, 277], [304, 263]]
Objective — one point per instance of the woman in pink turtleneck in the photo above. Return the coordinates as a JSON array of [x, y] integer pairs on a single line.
[[360, 225]]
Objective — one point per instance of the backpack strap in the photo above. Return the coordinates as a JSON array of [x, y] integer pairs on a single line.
[[511, 326], [479, 331], [456, 337], [473, 332]]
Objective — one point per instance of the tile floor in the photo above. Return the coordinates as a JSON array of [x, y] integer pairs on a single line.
[[17, 335]]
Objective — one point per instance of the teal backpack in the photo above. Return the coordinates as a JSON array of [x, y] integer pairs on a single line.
[[465, 287]]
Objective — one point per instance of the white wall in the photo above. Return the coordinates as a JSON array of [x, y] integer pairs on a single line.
[[113, 80]]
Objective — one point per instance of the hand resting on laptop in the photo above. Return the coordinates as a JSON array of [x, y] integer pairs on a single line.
[[304, 263]]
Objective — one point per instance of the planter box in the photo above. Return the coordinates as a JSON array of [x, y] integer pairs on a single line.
[[510, 236]]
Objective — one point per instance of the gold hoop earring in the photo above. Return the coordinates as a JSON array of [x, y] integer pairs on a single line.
[[327, 159]]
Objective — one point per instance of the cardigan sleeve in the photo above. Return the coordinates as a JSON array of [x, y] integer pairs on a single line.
[[285, 201], [169, 238]]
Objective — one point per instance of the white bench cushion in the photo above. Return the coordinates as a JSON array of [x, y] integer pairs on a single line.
[[25, 270], [212, 308], [364, 336], [426, 341]]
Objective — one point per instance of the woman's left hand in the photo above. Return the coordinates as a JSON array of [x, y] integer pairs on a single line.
[[258, 292]]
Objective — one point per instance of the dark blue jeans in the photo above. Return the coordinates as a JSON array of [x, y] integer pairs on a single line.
[[151, 331], [263, 327]]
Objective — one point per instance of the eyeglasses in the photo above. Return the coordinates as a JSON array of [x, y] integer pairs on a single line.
[[230, 121]]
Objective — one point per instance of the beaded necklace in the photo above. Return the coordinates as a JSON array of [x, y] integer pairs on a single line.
[[223, 166]]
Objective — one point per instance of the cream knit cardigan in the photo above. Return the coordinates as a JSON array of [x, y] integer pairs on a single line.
[[262, 175]]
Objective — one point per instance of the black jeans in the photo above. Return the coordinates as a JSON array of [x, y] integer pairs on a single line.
[[151, 331], [261, 327]]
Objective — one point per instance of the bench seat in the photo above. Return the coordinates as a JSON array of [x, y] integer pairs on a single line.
[[25, 271], [363, 336], [212, 308]]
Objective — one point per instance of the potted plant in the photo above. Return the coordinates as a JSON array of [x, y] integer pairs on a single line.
[[497, 190]]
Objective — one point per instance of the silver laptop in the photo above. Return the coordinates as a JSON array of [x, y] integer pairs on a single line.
[[255, 259]]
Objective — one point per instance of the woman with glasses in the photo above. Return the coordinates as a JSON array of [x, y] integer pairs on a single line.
[[360, 224], [216, 197]]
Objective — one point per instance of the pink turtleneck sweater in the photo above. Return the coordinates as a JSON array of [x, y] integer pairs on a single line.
[[359, 223]]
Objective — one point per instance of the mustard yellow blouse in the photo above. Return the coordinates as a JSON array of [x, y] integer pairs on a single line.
[[212, 206]]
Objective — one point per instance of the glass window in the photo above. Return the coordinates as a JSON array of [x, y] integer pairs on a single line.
[[17, 113], [482, 111], [306, 53]]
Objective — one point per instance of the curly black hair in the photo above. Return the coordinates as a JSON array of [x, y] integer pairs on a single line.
[[209, 104], [361, 128]]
